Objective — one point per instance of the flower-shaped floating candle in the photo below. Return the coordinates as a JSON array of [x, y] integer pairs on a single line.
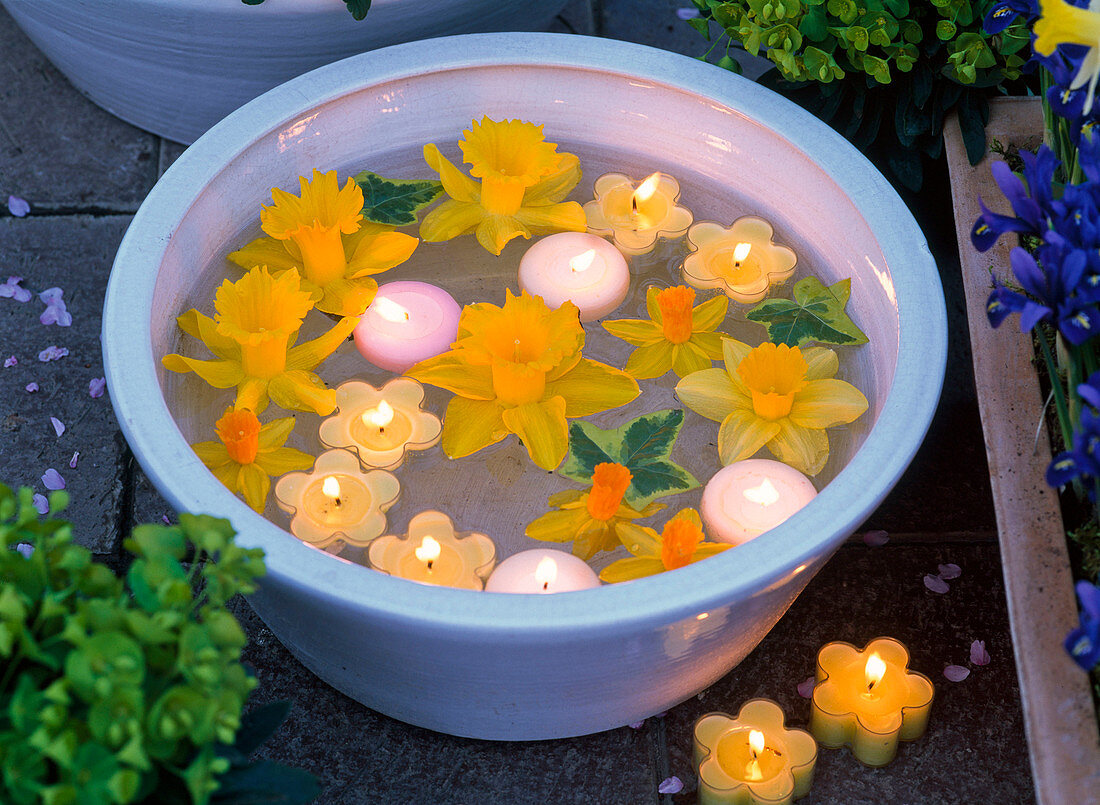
[[749, 497], [433, 553], [741, 260], [579, 268], [337, 500], [381, 424], [541, 571], [635, 216], [869, 699], [407, 322], [752, 759]]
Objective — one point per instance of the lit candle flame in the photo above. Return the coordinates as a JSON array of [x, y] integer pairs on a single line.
[[583, 261], [764, 495], [756, 742], [330, 488], [428, 551], [379, 417], [546, 572], [740, 252], [874, 670], [645, 190], [389, 310]]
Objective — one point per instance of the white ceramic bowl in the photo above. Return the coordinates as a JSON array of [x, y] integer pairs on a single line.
[[177, 67], [529, 667]]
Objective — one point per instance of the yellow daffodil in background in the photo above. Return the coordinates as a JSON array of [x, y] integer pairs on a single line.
[[321, 234], [680, 543], [249, 454], [523, 180], [596, 520], [676, 336], [518, 369], [252, 334], [1060, 23], [779, 396]]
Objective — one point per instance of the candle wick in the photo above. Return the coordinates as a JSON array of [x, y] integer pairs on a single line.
[[546, 585], [633, 205], [430, 561], [337, 501]]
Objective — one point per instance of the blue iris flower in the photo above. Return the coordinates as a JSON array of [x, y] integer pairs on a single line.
[[1003, 14], [1031, 202], [1082, 461], [1083, 642]]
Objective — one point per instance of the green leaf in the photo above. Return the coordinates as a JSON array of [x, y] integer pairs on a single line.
[[642, 445], [701, 25], [358, 8], [266, 783], [259, 724], [815, 314], [395, 202]]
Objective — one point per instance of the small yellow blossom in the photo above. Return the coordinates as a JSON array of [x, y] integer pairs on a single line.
[[1060, 23], [679, 544]]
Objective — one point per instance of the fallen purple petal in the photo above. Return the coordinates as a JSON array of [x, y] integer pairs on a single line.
[[25, 549], [636, 725], [55, 312], [936, 584], [58, 426], [52, 480], [73, 460], [687, 13], [876, 539], [31, 387], [11, 290], [671, 785], [948, 572], [806, 687], [18, 206], [956, 673], [10, 362], [164, 519], [52, 353], [978, 654], [96, 386], [41, 503]]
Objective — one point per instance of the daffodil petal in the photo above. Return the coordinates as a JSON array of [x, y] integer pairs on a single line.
[[1062, 24], [557, 526], [254, 486], [639, 540], [449, 220], [591, 387], [568, 216], [555, 186], [652, 306], [228, 474], [651, 360], [300, 390], [265, 252], [449, 371], [380, 253], [212, 454], [820, 362], [711, 393], [594, 536], [282, 460], [742, 433], [311, 353], [710, 313], [630, 569], [542, 428], [202, 327], [495, 231], [708, 549], [689, 359], [825, 403], [275, 433], [456, 184], [639, 332], [252, 394], [471, 425], [219, 374], [709, 343], [733, 352], [565, 497], [344, 297], [805, 449]]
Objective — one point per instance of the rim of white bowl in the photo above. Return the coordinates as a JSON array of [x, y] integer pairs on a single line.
[[666, 598]]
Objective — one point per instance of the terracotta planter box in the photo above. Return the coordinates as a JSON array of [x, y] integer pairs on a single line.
[[1062, 732]]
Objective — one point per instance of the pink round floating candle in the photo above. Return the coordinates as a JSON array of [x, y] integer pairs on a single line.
[[542, 571], [581, 268], [406, 323], [749, 497]]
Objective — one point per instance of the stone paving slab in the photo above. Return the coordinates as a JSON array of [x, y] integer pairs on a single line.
[[74, 253], [58, 150]]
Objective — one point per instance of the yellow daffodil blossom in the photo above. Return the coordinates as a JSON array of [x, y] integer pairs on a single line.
[[1060, 23], [252, 335], [523, 180], [518, 369], [596, 520], [779, 396], [248, 454], [680, 543], [321, 234], [676, 336]]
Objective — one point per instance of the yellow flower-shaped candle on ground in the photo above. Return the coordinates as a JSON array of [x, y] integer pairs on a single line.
[[869, 699], [256, 321], [676, 336], [248, 454], [522, 181], [518, 369], [321, 233], [635, 216], [433, 553], [380, 425], [754, 758], [742, 260], [337, 500], [596, 520], [779, 396], [680, 543]]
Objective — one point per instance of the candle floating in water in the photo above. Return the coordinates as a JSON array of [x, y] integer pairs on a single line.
[[576, 267], [337, 500], [749, 497], [753, 758], [636, 216], [869, 700], [433, 553], [542, 571], [381, 425], [742, 260], [406, 323]]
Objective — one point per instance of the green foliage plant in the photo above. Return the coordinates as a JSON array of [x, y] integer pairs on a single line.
[[884, 73], [121, 689], [358, 8]]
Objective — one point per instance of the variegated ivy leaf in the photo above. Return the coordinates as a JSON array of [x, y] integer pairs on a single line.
[[642, 445], [815, 314], [395, 202]]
